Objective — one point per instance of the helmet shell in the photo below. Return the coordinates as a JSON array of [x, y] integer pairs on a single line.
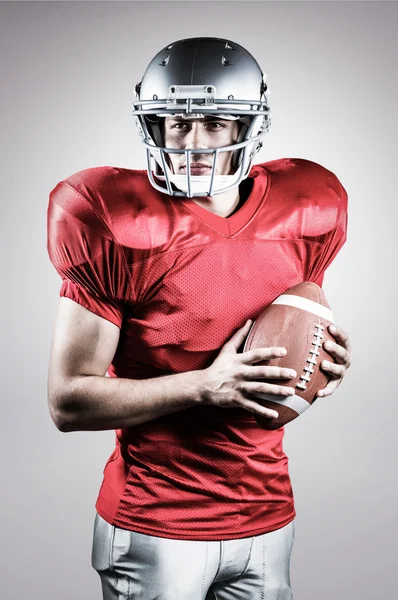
[[217, 62]]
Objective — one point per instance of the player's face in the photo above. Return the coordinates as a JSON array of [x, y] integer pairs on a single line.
[[206, 132]]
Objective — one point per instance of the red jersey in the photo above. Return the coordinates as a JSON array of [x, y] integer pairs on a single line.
[[178, 281]]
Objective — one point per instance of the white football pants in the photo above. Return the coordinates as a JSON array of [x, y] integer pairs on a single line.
[[135, 566]]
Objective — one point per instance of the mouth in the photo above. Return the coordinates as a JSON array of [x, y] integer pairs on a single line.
[[197, 169]]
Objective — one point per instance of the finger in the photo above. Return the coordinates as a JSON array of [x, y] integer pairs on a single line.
[[341, 354], [239, 336], [329, 389], [268, 373], [258, 408], [333, 369], [340, 335], [260, 354], [256, 387]]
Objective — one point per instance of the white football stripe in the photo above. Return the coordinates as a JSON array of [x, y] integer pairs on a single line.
[[309, 305], [294, 402]]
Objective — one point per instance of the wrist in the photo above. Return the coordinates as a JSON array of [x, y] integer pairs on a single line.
[[200, 383], [197, 386]]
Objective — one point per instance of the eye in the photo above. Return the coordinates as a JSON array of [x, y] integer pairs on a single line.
[[216, 125], [179, 125]]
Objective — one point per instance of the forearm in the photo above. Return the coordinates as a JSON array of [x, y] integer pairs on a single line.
[[93, 403]]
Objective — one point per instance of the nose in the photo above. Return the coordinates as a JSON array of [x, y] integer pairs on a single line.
[[196, 137]]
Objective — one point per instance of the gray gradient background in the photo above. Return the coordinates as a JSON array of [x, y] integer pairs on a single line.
[[68, 72]]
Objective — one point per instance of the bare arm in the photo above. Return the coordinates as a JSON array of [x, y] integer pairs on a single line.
[[81, 398]]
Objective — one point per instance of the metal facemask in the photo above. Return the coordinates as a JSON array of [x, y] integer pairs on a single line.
[[194, 78]]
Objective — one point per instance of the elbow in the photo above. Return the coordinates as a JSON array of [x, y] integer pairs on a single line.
[[60, 419], [61, 414]]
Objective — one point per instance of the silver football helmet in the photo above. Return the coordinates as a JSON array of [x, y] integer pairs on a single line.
[[197, 77]]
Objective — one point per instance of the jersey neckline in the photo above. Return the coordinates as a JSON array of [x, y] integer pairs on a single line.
[[230, 226]]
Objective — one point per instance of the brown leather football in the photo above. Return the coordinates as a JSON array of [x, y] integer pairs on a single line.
[[298, 321]]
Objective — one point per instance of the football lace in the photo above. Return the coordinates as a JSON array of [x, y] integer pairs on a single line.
[[317, 343]]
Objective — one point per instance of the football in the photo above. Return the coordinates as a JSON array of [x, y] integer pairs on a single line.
[[297, 320]]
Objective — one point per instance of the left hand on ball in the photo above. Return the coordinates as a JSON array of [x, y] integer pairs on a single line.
[[341, 351]]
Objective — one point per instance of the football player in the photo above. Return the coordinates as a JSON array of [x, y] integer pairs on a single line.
[[162, 272]]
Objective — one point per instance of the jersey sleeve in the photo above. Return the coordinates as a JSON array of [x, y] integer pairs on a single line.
[[324, 252], [85, 254]]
